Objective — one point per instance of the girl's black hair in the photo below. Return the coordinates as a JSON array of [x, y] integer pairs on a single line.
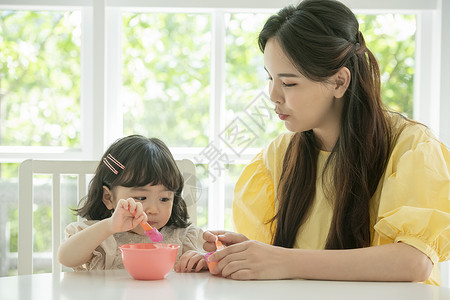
[[146, 161]]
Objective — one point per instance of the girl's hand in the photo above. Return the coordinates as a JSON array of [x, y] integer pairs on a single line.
[[191, 260], [226, 237], [127, 215], [251, 260]]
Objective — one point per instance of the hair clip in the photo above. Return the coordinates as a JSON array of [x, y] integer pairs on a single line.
[[115, 161]]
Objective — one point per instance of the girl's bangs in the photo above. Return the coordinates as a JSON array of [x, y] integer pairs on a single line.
[[154, 171]]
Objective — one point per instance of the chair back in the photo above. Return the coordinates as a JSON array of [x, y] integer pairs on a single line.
[[82, 170]]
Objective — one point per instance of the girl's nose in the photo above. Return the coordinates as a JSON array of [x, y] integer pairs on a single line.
[[151, 209]]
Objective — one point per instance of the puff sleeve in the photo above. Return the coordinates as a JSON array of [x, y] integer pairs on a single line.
[[414, 205], [104, 256], [253, 204], [255, 191]]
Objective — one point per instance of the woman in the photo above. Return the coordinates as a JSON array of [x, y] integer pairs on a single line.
[[353, 192]]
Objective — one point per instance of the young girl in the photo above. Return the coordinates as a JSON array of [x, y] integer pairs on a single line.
[[353, 192], [136, 180]]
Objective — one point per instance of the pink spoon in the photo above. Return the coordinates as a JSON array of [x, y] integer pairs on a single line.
[[151, 232]]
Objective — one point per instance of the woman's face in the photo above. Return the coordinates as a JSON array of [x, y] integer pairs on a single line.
[[301, 103]]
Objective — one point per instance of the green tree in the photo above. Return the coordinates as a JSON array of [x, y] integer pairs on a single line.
[[166, 72], [391, 37], [39, 78]]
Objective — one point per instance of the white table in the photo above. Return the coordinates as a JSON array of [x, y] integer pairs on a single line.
[[117, 284]]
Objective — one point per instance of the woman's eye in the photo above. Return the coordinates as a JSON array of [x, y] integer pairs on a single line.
[[288, 85], [269, 78]]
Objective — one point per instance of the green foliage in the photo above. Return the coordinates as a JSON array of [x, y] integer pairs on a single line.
[[245, 75], [9, 171], [42, 228], [166, 74], [391, 38], [13, 223], [40, 78], [42, 220]]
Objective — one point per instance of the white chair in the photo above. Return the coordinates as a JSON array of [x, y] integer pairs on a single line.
[[81, 169]]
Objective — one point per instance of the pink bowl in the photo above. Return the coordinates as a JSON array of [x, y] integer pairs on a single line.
[[149, 261]]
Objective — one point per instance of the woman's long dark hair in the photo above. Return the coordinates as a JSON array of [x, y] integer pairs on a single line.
[[146, 161], [320, 37]]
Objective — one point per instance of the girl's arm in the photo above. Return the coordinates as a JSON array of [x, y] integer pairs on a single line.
[[256, 260], [79, 248]]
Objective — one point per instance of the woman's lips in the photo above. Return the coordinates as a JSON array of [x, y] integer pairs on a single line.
[[283, 117]]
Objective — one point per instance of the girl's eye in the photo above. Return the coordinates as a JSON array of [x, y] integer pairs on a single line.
[[164, 199], [140, 198]]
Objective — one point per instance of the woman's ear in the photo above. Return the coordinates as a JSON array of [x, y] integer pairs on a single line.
[[342, 80], [108, 198]]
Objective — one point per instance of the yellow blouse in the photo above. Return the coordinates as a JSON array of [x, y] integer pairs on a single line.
[[411, 204]]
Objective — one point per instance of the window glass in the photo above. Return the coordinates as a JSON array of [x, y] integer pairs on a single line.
[[42, 217], [166, 74], [391, 37], [8, 218], [249, 111], [40, 78], [203, 183], [232, 175]]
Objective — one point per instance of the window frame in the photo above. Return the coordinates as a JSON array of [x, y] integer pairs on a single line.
[[100, 57]]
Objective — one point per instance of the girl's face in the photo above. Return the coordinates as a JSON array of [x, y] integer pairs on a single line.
[[157, 202], [301, 103]]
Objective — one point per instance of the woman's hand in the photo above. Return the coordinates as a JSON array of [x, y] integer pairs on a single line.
[[226, 237], [256, 260], [251, 260], [191, 260], [127, 215]]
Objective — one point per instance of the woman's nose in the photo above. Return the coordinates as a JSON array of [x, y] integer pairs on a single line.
[[275, 94]]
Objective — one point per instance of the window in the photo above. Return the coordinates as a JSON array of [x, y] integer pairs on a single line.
[[87, 73], [40, 80], [166, 69]]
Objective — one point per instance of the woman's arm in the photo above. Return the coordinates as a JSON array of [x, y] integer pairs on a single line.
[[255, 260], [79, 248]]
